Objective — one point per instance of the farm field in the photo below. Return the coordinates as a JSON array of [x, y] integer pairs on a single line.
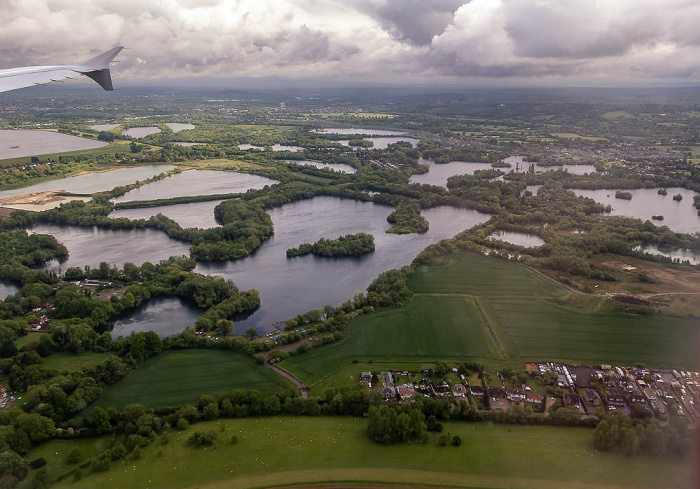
[[427, 329], [481, 308], [283, 450], [177, 377]]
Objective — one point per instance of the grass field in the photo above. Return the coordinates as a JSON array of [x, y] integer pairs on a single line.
[[283, 450], [27, 338], [481, 308], [614, 114], [177, 377], [428, 329], [69, 362], [571, 135]]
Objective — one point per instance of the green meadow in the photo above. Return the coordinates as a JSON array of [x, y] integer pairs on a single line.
[[491, 310], [178, 377], [281, 450]]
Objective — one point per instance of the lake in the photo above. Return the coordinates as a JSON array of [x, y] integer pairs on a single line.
[[275, 147], [7, 288], [179, 126], [520, 239], [676, 253], [140, 132], [438, 173], [92, 182], [16, 143], [89, 245], [165, 316], [193, 215], [681, 217], [384, 142], [103, 127], [292, 286], [359, 130], [187, 145], [196, 182], [342, 168], [532, 189], [519, 165]]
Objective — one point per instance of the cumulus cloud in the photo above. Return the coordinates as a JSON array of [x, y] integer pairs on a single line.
[[381, 40]]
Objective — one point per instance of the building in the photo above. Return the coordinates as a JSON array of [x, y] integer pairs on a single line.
[[516, 395], [459, 391], [534, 399], [476, 390]]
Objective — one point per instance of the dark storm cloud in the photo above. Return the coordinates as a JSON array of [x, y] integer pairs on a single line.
[[413, 21]]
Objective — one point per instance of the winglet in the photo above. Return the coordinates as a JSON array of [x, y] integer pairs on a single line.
[[99, 68], [101, 62]]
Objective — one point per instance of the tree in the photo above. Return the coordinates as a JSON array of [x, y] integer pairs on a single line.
[[251, 333]]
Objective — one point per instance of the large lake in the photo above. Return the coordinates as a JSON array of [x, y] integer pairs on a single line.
[[384, 142], [7, 288], [676, 253], [196, 182], [519, 165], [165, 316], [89, 183], [681, 217], [438, 173], [16, 143], [194, 215], [292, 286], [88, 245], [103, 127], [274, 147]]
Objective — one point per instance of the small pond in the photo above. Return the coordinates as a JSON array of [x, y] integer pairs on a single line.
[[328, 166], [7, 288], [520, 239], [140, 132], [165, 316], [179, 126]]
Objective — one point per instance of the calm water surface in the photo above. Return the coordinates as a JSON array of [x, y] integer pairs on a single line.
[[89, 183], [7, 288], [196, 182], [438, 173], [676, 253], [187, 145], [165, 316], [275, 147], [103, 127], [520, 239], [291, 286], [359, 130], [91, 245], [329, 166], [681, 217], [16, 143], [384, 142], [179, 126], [519, 165], [193, 215], [140, 132]]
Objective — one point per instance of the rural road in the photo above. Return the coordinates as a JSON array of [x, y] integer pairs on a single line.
[[300, 385]]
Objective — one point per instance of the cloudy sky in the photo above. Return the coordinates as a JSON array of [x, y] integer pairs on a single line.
[[385, 41]]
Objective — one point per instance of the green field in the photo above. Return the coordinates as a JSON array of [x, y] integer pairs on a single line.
[[27, 338], [498, 312], [177, 377], [69, 362], [283, 450], [614, 114], [572, 135], [427, 329]]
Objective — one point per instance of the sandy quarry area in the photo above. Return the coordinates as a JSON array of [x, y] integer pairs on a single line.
[[39, 201]]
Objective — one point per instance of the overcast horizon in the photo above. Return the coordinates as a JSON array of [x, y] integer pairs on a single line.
[[480, 43]]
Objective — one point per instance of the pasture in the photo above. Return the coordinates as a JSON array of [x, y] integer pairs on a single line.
[[70, 362], [178, 377], [498, 312], [283, 450], [429, 328]]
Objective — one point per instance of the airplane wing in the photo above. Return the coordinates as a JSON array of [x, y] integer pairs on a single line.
[[96, 68]]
